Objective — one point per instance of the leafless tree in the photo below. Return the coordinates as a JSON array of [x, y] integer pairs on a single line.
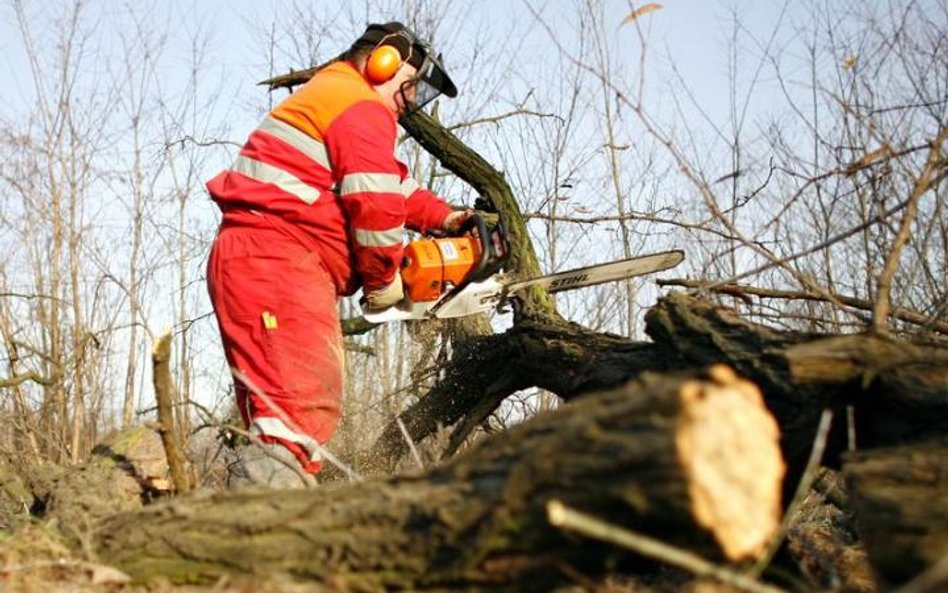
[[89, 239]]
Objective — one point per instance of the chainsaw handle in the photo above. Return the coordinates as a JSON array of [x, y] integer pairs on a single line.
[[476, 222]]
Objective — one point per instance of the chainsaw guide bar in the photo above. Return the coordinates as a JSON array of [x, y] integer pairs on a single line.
[[492, 292]]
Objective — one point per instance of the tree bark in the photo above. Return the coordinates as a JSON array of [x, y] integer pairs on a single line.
[[564, 358], [899, 389], [694, 461], [900, 499]]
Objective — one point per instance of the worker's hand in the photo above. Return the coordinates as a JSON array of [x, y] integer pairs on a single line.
[[454, 221], [385, 297]]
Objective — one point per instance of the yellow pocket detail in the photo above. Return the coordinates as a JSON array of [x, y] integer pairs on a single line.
[[269, 320]]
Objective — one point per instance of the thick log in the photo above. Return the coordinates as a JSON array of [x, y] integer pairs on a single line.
[[899, 391], [693, 461], [697, 332], [900, 499]]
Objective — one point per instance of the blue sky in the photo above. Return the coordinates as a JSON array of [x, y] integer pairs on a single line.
[[692, 33]]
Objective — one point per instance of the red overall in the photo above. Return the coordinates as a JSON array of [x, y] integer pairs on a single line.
[[314, 206]]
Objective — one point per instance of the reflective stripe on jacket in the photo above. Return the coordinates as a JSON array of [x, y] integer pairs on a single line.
[[322, 166]]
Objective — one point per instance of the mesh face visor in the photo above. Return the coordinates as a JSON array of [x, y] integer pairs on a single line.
[[431, 79]]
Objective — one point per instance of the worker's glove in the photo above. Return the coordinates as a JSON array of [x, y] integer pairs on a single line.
[[455, 221], [385, 297]]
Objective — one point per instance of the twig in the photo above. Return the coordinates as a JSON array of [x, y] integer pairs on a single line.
[[200, 143], [114, 575], [20, 295], [924, 182], [806, 480], [562, 516], [33, 376], [637, 216], [411, 443], [741, 290], [497, 118]]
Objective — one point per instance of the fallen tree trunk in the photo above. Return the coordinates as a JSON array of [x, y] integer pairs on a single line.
[[695, 461], [564, 358], [899, 391], [900, 499]]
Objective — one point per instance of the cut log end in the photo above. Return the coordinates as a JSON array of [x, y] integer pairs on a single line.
[[728, 444]]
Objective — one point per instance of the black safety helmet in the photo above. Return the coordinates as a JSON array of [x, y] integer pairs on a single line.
[[432, 79]]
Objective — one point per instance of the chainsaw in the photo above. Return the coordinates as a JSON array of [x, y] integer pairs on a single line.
[[447, 277]]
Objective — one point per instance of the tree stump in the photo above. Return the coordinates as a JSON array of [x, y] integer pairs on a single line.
[[126, 470]]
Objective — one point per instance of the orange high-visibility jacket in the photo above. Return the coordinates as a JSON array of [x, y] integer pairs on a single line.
[[322, 167]]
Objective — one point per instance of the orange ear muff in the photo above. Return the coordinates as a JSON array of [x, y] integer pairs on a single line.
[[383, 63]]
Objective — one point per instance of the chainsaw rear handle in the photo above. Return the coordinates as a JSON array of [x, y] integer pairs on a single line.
[[476, 222]]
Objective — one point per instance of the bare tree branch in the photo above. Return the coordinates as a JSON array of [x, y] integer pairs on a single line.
[[743, 290], [927, 177]]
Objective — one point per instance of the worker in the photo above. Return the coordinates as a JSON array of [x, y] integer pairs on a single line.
[[314, 207]]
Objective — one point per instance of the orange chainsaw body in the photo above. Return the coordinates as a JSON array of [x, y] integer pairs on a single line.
[[430, 266]]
